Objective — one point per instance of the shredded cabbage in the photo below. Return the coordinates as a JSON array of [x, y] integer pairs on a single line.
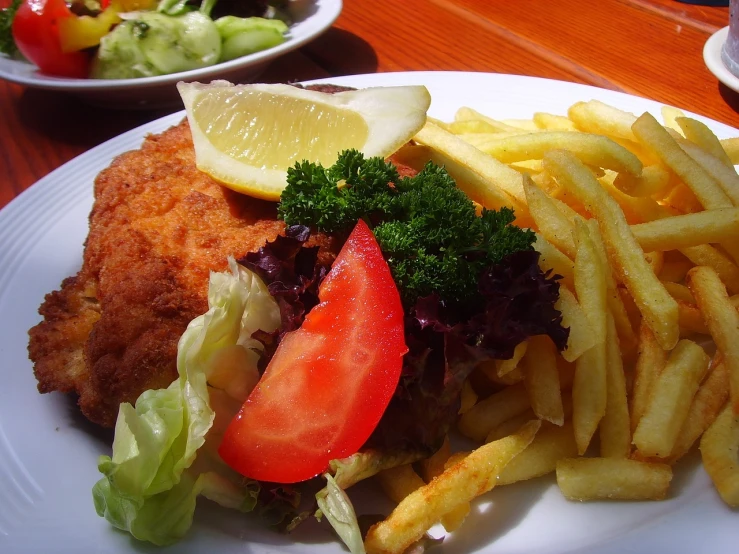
[[151, 482]]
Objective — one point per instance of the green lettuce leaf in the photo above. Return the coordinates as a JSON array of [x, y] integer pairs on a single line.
[[151, 482], [363, 465], [333, 502], [336, 506]]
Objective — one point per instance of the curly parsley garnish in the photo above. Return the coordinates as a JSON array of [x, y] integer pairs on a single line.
[[428, 229]]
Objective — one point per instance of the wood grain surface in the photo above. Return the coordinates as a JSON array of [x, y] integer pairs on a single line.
[[649, 48]]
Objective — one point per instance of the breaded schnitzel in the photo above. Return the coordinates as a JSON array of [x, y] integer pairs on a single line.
[[157, 228]]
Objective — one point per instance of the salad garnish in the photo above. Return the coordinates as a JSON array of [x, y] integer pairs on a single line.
[[119, 39], [471, 284], [164, 449], [471, 290], [428, 229]]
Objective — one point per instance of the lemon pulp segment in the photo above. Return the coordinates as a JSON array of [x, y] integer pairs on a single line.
[[274, 131]]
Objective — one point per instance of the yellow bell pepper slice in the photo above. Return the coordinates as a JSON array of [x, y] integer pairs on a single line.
[[84, 31]]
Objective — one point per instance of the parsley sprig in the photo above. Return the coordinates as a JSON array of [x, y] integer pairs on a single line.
[[428, 229]]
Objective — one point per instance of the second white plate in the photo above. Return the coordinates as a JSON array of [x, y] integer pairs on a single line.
[[312, 17]]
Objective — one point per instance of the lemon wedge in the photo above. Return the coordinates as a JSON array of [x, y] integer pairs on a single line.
[[247, 136]]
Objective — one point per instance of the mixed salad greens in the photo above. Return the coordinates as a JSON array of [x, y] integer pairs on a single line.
[[121, 39], [471, 289]]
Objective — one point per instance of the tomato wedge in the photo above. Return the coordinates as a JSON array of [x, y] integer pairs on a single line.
[[329, 382], [36, 33]]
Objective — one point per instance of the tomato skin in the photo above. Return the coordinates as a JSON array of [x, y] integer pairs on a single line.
[[36, 33], [329, 382]]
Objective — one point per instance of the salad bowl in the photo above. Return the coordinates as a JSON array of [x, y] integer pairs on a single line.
[[310, 20]]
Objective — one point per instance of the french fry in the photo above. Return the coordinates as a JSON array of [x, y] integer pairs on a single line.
[[551, 444], [670, 115], [454, 519], [493, 172], [612, 479], [541, 378], [707, 403], [655, 260], [478, 140], [720, 452], [468, 397], [654, 181], [476, 474], [590, 281], [568, 211], [477, 422], [465, 113], [631, 308], [553, 259], [438, 122], [615, 303], [649, 364], [474, 184], [525, 124], [589, 395], [675, 267], [510, 426], [596, 117], [591, 149], [679, 292], [635, 225], [699, 134], [470, 126], [615, 428], [513, 377], [731, 147], [553, 225], [504, 367], [731, 248], [681, 231], [707, 255], [655, 137], [682, 199], [532, 167], [691, 319], [636, 210], [655, 303], [722, 320], [433, 466], [505, 372], [669, 402], [398, 482], [589, 388], [567, 198], [726, 177], [553, 122]]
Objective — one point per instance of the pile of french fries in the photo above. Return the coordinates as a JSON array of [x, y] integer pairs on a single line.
[[641, 220]]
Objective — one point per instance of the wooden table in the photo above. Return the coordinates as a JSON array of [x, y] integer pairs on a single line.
[[651, 48]]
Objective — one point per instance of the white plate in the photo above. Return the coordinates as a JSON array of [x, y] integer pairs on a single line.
[[312, 17], [48, 452], [712, 59]]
